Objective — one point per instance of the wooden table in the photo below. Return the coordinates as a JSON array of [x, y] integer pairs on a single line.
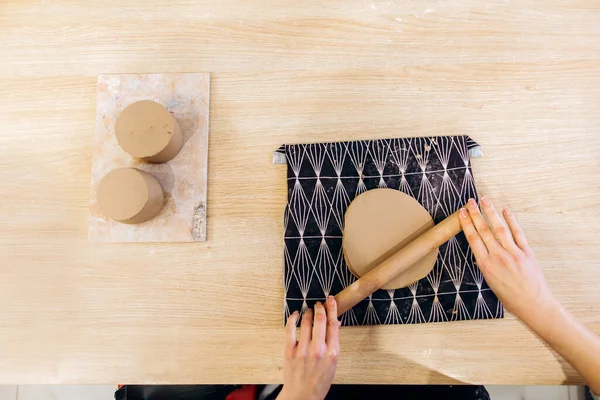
[[522, 78]]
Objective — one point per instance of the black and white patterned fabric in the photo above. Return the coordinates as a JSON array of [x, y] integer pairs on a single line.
[[323, 179]]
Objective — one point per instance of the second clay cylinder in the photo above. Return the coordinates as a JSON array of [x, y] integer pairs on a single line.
[[130, 195]]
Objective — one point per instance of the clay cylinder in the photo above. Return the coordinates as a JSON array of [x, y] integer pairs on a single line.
[[147, 130], [130, 195]]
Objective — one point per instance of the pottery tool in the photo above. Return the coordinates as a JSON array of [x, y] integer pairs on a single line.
[[379, 263], [380, 222]]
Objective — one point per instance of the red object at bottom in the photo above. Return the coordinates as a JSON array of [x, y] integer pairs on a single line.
[[247, 392]]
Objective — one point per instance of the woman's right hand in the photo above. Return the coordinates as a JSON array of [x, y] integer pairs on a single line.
[[511, 270], [506, 261]]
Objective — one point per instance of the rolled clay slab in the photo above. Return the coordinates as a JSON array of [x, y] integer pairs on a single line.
[[377, 224], [147, 130], [130, 195]]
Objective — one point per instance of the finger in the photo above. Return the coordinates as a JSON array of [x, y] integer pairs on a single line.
[[482, 227], [319, 325], [516, 230], [498, 226], [477, 246], [290, 331], [332, 337], [305, 331]]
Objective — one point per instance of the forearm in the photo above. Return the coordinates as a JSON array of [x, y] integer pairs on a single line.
[[578, 345], [510, 268]]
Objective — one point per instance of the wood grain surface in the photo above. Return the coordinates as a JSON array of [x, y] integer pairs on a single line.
[[521, 77]]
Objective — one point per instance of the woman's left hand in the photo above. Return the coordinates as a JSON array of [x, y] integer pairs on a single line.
[[310, 362]]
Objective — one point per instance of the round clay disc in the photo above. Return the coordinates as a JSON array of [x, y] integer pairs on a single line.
[[130, 195], [377, 224], [147, 130]]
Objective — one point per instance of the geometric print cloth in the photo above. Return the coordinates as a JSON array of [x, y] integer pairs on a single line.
[[323, 179]]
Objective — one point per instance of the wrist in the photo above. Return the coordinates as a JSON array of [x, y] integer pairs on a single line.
[[548, 317]]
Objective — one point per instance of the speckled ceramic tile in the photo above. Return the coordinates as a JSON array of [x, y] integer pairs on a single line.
[[184, 178]]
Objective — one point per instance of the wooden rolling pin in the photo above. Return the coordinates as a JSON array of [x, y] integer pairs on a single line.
[[398, 263]]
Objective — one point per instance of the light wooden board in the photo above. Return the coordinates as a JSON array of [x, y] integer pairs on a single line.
[[522, 78]]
